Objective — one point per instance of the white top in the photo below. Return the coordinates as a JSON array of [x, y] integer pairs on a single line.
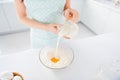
[[90, 55]]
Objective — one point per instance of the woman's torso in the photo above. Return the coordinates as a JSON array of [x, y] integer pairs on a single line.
[[45, 11]]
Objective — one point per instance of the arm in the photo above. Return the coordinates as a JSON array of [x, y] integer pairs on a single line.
[[67, 5], [21, 12]]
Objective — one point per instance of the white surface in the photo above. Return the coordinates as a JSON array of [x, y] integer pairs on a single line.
[[99, 17], [0, 52], [12, 18], [78, 5], [5, 1], [90, 55], [13, 43], [9, 21], [3, 22], [109, 4]]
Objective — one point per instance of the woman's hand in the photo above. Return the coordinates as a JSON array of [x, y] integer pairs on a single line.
[[71, 14], [53, 28]]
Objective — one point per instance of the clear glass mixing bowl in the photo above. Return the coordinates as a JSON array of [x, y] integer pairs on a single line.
[[65, 55]]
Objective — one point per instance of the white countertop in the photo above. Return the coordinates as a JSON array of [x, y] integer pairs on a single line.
[[90, 55], [6, 1]]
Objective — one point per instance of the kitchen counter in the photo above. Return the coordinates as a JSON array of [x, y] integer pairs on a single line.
[[5, 1], [90, 55]]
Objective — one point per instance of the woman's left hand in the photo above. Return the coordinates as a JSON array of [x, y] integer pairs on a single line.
[[71, 14]]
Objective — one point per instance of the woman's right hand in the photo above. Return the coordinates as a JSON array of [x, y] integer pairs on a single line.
[[53, 28]]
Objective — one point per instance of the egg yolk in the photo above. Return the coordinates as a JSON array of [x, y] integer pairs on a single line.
[[54, 60]]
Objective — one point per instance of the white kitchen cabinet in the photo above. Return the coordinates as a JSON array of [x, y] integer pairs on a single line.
[[4, 26], [9, 22], [99, 17], [12, 18]]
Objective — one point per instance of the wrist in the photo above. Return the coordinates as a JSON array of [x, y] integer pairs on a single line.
[[67, 9], [47, 27]]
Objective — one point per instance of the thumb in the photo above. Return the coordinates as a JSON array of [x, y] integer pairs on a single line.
[[58, 26]]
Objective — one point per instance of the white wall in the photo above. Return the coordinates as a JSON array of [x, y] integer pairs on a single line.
[[3, 22], [99, 17], [77, 4], [9, 22]]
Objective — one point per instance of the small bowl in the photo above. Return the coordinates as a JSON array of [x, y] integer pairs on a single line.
[[65, 54]]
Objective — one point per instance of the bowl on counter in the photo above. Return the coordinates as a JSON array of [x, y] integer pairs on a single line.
[[62, 59]]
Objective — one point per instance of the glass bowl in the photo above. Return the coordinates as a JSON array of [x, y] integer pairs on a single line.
[[64, 55]]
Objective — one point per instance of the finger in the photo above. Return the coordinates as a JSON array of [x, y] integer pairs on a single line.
[[71, 15], [57, 28], [58, 25], [66, 37], [75, 16], [67, 13], [55, 31]]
